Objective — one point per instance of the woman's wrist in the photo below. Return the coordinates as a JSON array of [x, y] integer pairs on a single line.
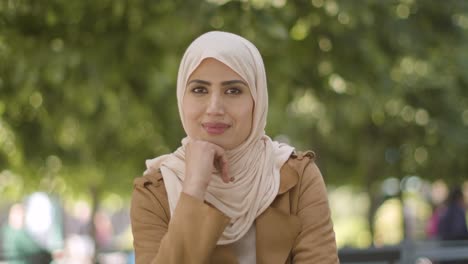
[[195, 190]]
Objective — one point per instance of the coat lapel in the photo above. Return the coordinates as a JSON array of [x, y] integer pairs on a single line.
[[276, 229]]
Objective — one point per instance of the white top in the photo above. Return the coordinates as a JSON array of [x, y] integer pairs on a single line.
[[245, 248]]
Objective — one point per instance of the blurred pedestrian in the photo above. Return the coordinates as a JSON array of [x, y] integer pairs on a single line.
[[452, 222], [433, 222], [19, 246]]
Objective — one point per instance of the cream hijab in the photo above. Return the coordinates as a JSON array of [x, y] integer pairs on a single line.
[[255, 164]]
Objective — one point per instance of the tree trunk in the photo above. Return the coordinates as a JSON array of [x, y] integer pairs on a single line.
[[374, 205], [404, 224], [371, 179], [94, 207]]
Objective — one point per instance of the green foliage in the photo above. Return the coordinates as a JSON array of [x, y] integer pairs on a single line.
[[87, 88]]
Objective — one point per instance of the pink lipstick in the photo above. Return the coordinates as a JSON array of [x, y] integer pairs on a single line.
[[215, 128]]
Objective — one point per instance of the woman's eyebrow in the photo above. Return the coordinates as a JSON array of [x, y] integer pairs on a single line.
[[233, 82], [199, 81], [222, 83]]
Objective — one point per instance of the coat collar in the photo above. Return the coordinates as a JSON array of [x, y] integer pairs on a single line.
[[288, 178]]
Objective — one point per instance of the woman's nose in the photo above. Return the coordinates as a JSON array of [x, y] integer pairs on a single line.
[[215, 105]]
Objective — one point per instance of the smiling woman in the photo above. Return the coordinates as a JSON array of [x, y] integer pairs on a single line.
[[217, 105], [229, 194]]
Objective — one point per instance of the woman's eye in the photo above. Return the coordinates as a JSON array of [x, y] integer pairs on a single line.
[[233, 91], [199, 90]]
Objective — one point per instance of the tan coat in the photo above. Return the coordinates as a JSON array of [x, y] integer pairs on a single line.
[[296, 228]]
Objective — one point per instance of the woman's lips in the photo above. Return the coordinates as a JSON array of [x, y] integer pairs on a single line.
[[215, 128]]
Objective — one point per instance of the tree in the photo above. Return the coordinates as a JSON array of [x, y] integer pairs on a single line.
[[377, 88]]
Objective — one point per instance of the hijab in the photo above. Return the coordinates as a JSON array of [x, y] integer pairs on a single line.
[[255, 164]]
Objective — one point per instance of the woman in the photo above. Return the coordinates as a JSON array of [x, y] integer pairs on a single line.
[[229, 194]]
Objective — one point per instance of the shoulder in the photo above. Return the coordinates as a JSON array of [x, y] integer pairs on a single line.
[[151, 177], [299, 168], [149, 192], [303, 164], [299, 160]]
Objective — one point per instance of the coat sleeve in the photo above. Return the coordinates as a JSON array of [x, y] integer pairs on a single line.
[[189, 237], [316, 241]]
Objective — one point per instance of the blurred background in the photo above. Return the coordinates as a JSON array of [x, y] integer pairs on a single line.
[[378, 89]]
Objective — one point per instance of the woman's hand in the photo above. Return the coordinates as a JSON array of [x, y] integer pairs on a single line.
[[201, 157]]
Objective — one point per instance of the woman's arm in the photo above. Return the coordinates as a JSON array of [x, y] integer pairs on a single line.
[[189, 237], [316, 241], [195, 227]]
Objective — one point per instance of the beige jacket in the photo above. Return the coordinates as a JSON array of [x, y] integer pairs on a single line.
[[296, 228]]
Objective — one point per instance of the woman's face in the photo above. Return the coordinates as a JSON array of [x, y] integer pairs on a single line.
[[217, 105]]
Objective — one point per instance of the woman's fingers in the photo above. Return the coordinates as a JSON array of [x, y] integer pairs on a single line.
[[201, 157]]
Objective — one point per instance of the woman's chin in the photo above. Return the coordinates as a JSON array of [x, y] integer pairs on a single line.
[[219, 142]]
